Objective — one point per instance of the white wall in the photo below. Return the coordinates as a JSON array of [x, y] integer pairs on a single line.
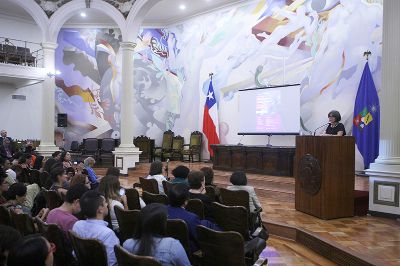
[[22, 119]]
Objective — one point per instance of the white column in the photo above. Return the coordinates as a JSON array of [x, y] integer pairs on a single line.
[[126, 155], [385, 172], [47, 146]]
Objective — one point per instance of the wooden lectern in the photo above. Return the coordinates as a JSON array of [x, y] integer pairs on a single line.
[[324, 173]]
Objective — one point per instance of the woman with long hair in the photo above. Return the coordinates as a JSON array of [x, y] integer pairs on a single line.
[[110, 188], [149, 238]]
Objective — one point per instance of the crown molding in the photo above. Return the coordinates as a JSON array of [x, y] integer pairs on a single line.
[[23, 19]]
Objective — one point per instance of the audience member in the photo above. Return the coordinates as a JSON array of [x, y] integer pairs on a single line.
[[11, 175], [94, 207], [60, 183], [65, 159], [32, 250], [239, 182], [93, 178], [180, 174], [209, 177], [16, 196], [6, 149], [9, 238], [110, 188], [3, 136], [56, 155], [198, 191], [4, 186], [70, 171], [113, 171], [48, 165], [149, 241], [38, 165], [80, 179], [63, 216], [155, 172], [178, 196]]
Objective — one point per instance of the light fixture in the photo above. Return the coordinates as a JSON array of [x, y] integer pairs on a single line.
[[182, 7], [83, 14], [52, 74]]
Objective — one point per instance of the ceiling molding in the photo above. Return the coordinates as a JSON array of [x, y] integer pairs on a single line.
[[23, 19]]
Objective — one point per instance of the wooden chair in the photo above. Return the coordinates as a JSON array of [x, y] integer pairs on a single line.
[[149, 185], [53, 199], [91, 148], [232, 218], [53, 233], [196, 206], [240, 198], [88, 251], [194, 146], [176, 151], [133, 199], [223, 248], [177, 228], [125, 258], [166, 185], [5, 217], [107, 147], [166, 145], [127, 221], [212, 193], [23, 223], [149, 198], [146, 146]]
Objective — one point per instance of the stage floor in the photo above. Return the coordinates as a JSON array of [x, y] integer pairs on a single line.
[[377, 238]]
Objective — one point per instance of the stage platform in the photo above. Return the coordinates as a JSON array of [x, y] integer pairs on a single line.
[[360, 240]]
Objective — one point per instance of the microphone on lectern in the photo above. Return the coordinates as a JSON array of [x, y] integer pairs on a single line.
[[315, 131]]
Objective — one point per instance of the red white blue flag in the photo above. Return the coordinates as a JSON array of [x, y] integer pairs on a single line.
[[210, 119]]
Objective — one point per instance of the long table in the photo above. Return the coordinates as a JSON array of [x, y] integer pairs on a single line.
[[273, 160]]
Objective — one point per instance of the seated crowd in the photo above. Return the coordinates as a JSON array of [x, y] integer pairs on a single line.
[[89, 207]]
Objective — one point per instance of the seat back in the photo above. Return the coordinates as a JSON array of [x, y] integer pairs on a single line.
[[149, 185], [210, 192], [177, 228], [235, 198], [127, 221], [231, 218], [166, 185], [177, 143], [91, 146], [54, 234], [132, 197], [108, 145], [23, 223], [196, 206], [146, 146], [220, 248], [125, 258], [53, 199], [196, 138], [5, 217], [167, 140], [149, 198], [88, 251], [74, 146]]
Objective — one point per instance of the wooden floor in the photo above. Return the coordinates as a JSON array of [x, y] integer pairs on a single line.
[[378, 238]]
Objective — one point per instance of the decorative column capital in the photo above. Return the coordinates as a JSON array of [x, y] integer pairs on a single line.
[[130, 46], [49, 45]]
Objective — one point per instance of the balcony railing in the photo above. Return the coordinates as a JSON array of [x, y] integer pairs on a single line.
[[19, 52]]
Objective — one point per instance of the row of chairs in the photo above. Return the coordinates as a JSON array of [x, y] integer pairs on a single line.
[[97, 148], [16, 55]]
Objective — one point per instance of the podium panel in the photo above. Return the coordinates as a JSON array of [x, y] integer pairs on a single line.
[[324, 173]]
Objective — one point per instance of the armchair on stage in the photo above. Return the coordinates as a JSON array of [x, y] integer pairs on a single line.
[[166, 145], [194, 147], [324, 173]]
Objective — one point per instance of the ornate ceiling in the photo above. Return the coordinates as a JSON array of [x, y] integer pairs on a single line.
[[51, 6]]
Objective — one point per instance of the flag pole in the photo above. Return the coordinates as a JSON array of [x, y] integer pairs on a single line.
[[367, 54], [211, 76]]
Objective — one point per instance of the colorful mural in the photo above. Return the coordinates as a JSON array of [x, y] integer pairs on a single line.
[[318, 44]]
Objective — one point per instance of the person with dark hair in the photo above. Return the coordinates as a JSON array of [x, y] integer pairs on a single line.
[[80, 179], [113, 171], [63, 216], [335, 128], [239, 182], [6, 149], [11, 175], [198, 191], [155, 172], [4, 186], [38, 165], [9, 238], [178, 196], [180, 174], [70, 172], [32, 250], [94, 207], [60, 183], [56, 155], [48, 165], [16, 196], [149, 241], [209, 178], [110, 188], [65, 159]]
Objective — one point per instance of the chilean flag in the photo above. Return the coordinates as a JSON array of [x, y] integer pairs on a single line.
[[210, 119]]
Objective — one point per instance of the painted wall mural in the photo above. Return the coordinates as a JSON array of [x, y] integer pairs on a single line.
[[318, 44]]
